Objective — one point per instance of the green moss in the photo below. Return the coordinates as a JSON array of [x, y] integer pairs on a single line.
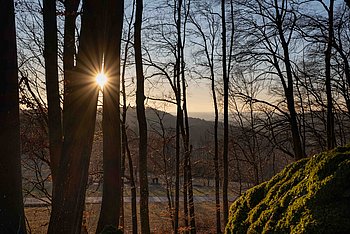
[[308, 196]]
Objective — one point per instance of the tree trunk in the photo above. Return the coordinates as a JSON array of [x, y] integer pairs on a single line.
[[52, 88], [226, 86], [141, 117], [216, 154], [80, 117], [209, 53], [177, 165], [71, 8], [187, 147], [133, 190], [125, 143], [331, 142], [110, 207], [288, 88], [12, 218]]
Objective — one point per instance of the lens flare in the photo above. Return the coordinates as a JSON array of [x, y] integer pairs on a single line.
[[101, 79]]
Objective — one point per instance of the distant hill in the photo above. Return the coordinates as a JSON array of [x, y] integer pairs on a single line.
[[199, 128], [308, 196]]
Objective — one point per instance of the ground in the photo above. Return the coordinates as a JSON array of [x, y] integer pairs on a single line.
[[38, 218]]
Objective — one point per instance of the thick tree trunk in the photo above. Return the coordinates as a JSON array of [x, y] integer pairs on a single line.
[[141, 117], [12, 218], [110, 207], [52, 88], [71, 8], [80, 117]]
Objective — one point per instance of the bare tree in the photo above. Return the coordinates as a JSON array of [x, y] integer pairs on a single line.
[[328, 55], [207, 47], [270, 45], [11, 201], [125, 143], [141, 117]]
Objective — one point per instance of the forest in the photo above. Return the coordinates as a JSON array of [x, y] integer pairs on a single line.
[[97, 103]]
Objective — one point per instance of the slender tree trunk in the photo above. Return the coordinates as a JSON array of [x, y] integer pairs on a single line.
[[216, 155], [331, 142], [52, 88], [226, 83], [185, 189], [187, 147], [168, 183], [133, 190], [339, 49], [141, 117], [165, 154], [122, 188], [177, 163], [126, 150], [12, 218], [186, 128], [80, 116], [288, 88], [110, 207], [179, 124], [209, 52]]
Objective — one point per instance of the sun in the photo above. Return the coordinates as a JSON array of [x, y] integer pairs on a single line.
[[101, 79]]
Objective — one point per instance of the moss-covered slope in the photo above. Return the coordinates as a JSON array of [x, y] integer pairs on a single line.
[[309, 196]]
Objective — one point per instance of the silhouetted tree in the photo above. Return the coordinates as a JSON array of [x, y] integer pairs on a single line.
[[328, 56], [52, 87], [12, 218], [225, 78], [79, 125], [206, 23], [112, 26], [126, 154], [141, 117]]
